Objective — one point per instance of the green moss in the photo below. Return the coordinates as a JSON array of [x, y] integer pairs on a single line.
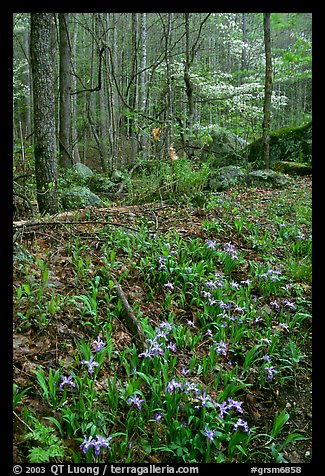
[[79, 197], [292, 168], [267, 178], [290, 144]]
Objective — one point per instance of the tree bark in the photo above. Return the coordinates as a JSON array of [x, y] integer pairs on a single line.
[[187, 79], [143, 80], [65, 159], [267, 92], [74, 115], [44, 112]]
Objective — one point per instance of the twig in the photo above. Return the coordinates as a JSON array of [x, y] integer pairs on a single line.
[[22, 421]]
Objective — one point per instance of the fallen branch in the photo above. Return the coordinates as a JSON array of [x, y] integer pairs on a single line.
[[127, 316], [23, 224]]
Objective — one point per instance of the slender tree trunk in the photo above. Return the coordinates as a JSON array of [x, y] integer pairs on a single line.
[[74, 112], [243, 51], [169, 93], [268, 92], [44, 112], [28, 96], [134, 91], [109, 97], [143, 78], [65, 158], [187, 79], [112, 97], [102, 102]]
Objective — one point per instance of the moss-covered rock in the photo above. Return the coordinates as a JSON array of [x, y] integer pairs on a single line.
[[100, 184], [225, 177], [292, 144], [81, 170], [77, 175], [292, 168], [268, 178], [79, 197]]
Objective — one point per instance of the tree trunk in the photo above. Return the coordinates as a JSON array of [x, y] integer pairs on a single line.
[[243, 50], [28, 96], [187, 79], [44, 112], [134, 91], [267, 92], [74, 116], [143, 80], [169, 85], [65, 159], [102, 102]]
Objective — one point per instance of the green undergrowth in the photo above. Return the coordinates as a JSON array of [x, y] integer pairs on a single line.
[[226, 315]]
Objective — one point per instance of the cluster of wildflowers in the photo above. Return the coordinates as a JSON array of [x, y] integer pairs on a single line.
[[230, 249], [287, 303], [160, 343], [97, 344], [241, 423], [302, 236], [212, 285], [216, 290], [269, 368], [97, 445], [162, 260], [221, 348], [271, 274], [162, 263], [204, 400]]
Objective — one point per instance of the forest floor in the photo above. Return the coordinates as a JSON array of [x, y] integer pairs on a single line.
[[44, 337]]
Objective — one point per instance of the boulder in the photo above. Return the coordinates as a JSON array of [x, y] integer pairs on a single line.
[[225, 177], [81, 170], [215, 144], [79, 197], [226, 147], [291, 144], [100, 184], [292, 168], [268, 178]]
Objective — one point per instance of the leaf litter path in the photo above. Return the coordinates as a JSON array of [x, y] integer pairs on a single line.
[[50, 241]]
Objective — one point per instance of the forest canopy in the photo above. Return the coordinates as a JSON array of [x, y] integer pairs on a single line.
[[128, 73]]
